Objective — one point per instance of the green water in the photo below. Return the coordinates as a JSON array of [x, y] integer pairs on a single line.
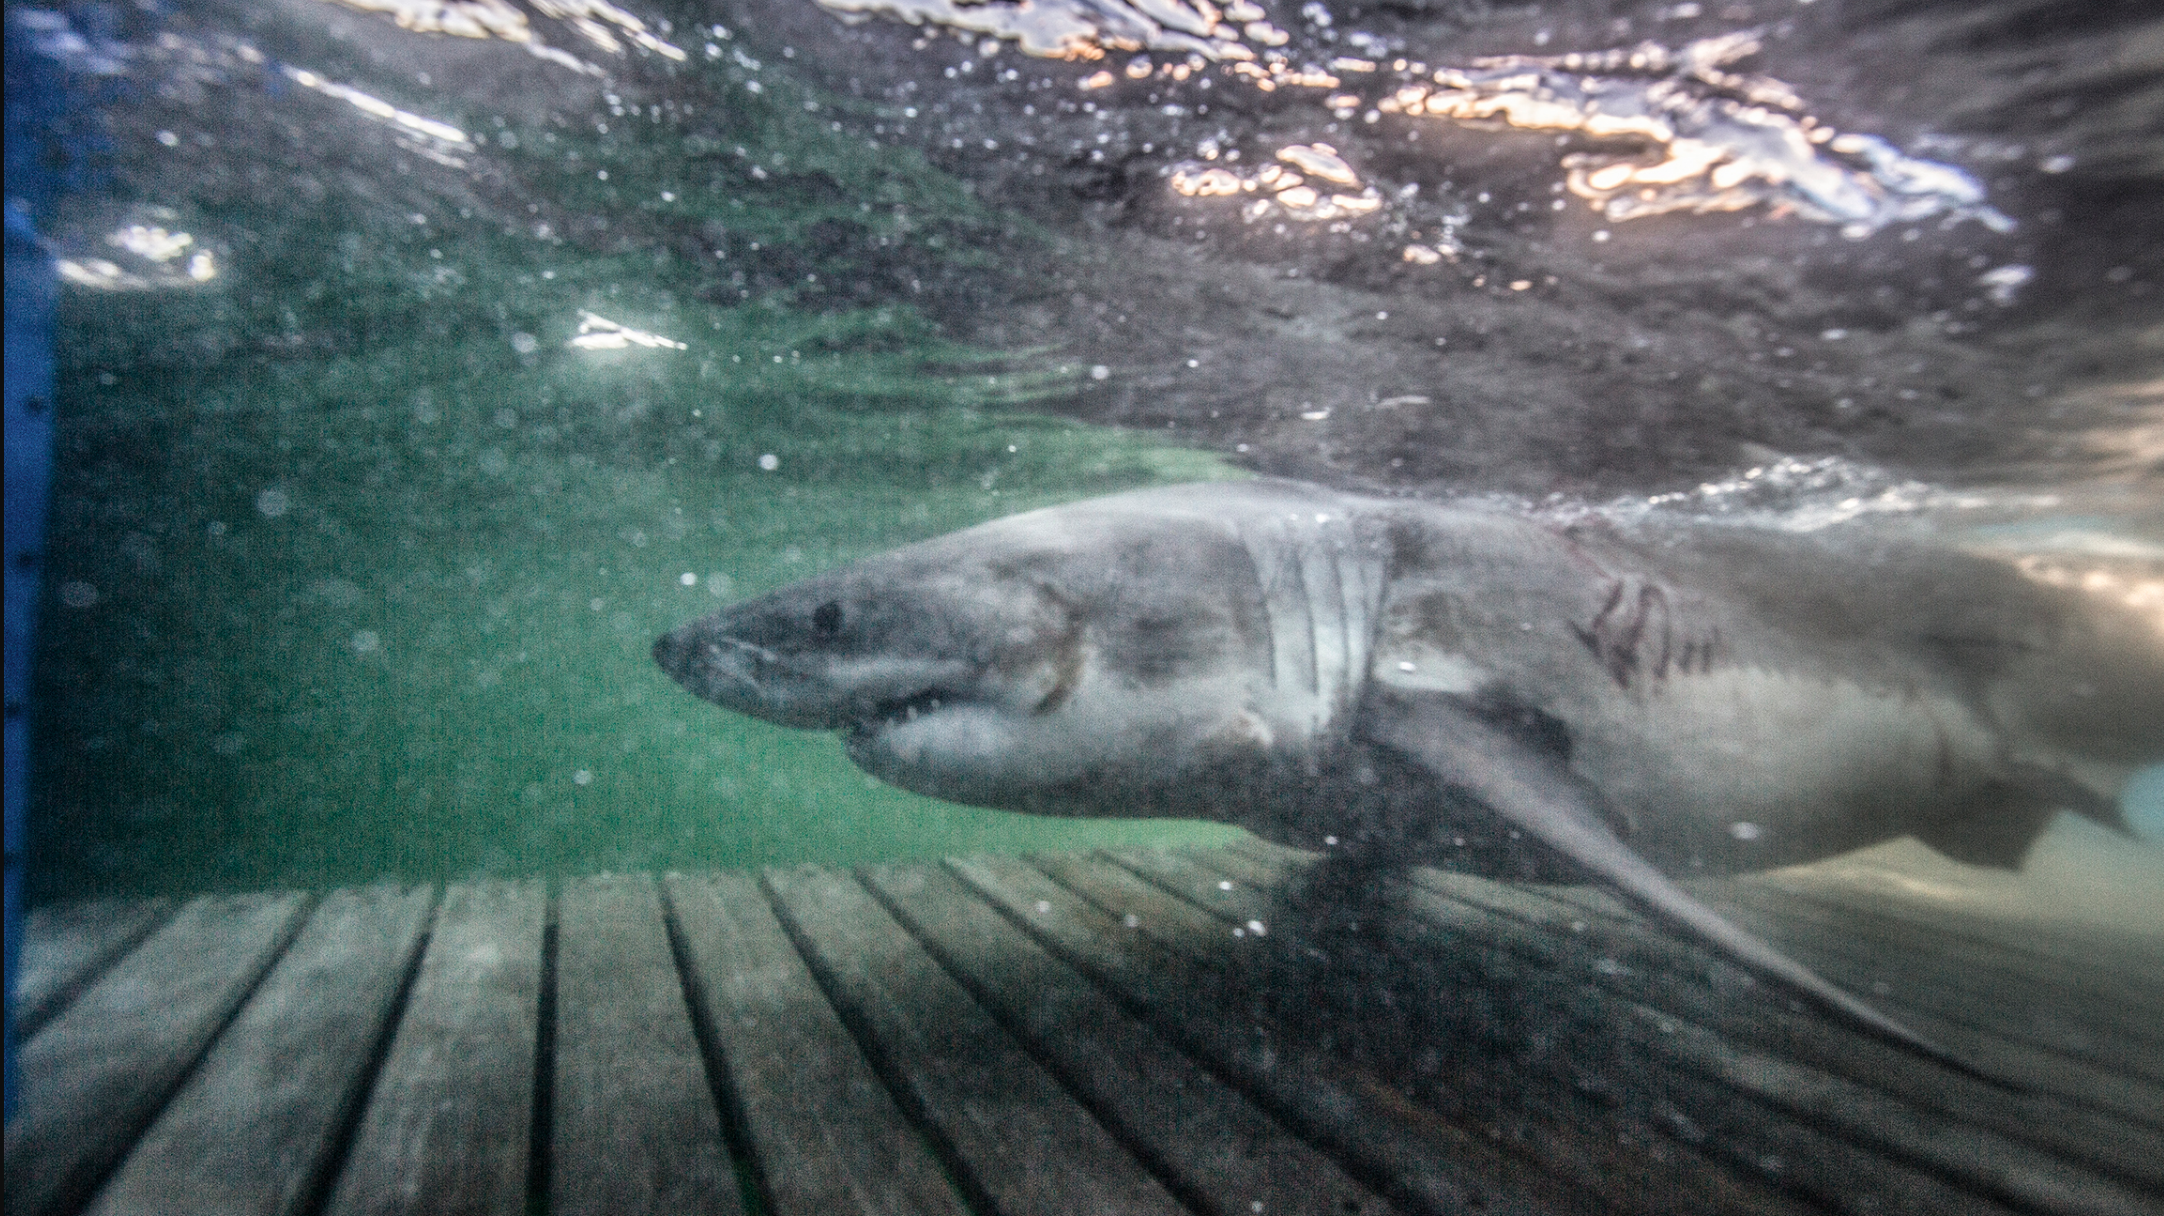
[[357, 561], [353, 621]]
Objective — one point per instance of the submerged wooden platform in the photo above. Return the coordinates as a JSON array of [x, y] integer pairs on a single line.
[[1134, 1032]]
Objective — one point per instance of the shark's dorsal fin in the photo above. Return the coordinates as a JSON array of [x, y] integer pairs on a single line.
[[1536, 793]]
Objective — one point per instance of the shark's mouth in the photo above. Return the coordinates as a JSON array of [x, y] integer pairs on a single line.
[[1065, 668], [901, 739], [900, 711]]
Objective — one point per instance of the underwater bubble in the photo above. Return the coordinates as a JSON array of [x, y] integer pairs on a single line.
[[2004, 283]]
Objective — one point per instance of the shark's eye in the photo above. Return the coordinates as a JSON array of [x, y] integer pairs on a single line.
[[827, 619]]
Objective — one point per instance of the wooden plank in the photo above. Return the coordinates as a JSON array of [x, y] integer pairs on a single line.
[[635, 1131], [67, 946], [2112, 962], [1524, 1094], [2123, 966], [2117, 1095], [1764, 1044], [1020, 1142], [2098, 1109], [448, 1123], [1218, 890], [1947, 967], [2093, 1012], [1890, 1130], [1160, 1024], [2112, 1142], [95, 1076], [1993, 1165], [1119, 931], [825, 1135], [1224, 1155], [1969, 957], [1540, 1010], [1906, 968], [252, 1129]]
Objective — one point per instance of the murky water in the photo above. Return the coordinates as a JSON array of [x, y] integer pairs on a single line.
[[423, 362]]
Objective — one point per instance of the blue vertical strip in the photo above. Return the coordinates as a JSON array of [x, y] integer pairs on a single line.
[[34, 91]]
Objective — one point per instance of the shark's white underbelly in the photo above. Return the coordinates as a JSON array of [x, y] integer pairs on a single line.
[[1733, 768], [1740, 768]]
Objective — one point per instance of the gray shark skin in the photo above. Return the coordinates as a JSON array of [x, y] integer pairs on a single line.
[[1460, 686]]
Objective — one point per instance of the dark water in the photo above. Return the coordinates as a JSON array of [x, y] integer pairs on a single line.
[[488, 358]]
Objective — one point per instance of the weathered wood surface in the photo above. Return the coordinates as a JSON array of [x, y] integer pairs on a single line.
[[826, 1134], [97, 1074], [1028, 1145], [252, 1128], [1222, 1154], [1217, 1032], [67, 947], [1169, 959], [636, 1131], [446, 1128]]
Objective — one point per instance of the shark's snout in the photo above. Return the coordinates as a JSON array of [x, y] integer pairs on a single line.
[[673, 654], [715, 665], [712, 665]]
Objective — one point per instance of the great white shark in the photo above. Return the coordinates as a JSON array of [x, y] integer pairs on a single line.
[[1464, 686]]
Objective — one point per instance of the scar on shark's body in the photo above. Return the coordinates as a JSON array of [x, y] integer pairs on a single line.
[[1254, 653], [1635, 633]]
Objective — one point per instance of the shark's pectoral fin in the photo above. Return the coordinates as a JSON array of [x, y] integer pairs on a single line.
[[1535, 792]]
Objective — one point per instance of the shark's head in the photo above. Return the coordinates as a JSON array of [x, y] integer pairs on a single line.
[[1063, 661]]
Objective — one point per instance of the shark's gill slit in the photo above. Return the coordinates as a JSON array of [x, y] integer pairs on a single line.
[[1067, 654]]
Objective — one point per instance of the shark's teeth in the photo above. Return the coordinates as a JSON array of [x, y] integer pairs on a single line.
[[899, 710]]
